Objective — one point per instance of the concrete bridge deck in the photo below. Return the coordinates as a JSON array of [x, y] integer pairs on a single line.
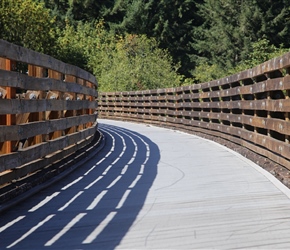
[[153, 188]]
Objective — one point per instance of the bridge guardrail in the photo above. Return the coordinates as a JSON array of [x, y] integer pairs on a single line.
[[47, 111], [250, 108]]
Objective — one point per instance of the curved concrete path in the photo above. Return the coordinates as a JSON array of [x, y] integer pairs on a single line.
[[154, 188]]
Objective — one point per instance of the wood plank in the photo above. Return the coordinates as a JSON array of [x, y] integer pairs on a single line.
[[19, 106], [28, 56], [26, 155], [21, 81], [8, 119]]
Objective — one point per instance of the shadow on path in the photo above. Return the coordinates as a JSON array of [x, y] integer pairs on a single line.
[[95, 206]]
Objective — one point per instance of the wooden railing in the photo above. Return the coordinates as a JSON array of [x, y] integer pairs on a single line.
[[250, 109], [47, 111]]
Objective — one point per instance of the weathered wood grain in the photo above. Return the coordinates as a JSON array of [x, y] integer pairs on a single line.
[[20, 106], [20, 54], [46, 108], [22, 81], [30, 154], [25, 130], [250, 108]]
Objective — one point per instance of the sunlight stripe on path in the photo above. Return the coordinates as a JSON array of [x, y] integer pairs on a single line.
[[70, 201], [99, 228], [31, 230], [72, 183], [42, 203], [107, 169], [142, 169], [133, 184], [122, 201], [147, 154], [114, 181], [125, 168], [106, 156], [94, 182], [97, 200], [120, 155], [65, 229], [11, 223]]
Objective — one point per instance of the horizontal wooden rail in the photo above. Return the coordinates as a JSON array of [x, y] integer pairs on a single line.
[[47, 111], [250, 108]]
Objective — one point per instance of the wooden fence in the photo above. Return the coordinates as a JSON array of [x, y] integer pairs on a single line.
[[47, 111], [250, 108]]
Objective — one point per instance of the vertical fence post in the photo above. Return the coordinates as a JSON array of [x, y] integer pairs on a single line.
[[36, 71], [55, 114], [8, 119], [287, 117], [81, 111], [70, 113], [90, 111], [287, 114]]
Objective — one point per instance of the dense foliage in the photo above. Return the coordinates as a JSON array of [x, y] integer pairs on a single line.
[[171, 23], [123, 62], [234, 31], [27, 23], [137, 44]]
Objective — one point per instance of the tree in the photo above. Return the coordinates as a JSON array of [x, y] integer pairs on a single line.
[[136, 63], [171, 23], [230, 27], [79, 10], [129, 62], [261, 51], [27, 23]]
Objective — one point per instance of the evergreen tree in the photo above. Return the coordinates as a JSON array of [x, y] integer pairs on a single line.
[[230, 27], [79, 10], [59, 6], [276, 21], [170, 22]]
